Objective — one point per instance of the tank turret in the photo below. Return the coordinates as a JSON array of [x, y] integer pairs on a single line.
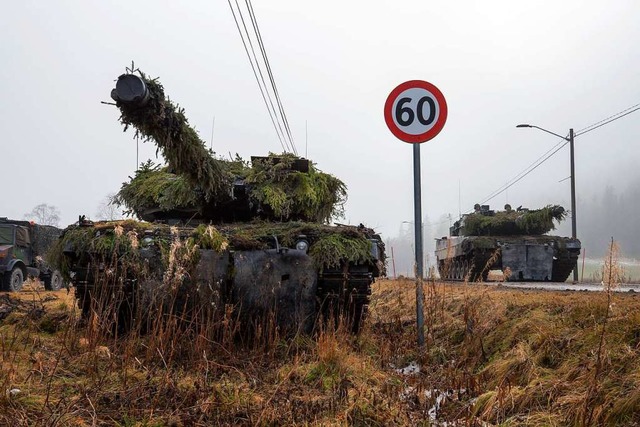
[[197, 186], [513, 240], [253, 235]]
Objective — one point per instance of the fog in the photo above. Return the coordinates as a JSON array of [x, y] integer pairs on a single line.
[[557, 65]]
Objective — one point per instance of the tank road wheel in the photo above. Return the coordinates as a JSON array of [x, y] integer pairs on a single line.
[[441, 270], [13, 281], [465, 269], [54, 282], [475, 275]]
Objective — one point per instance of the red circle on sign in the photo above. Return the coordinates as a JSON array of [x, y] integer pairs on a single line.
[[429, 134]]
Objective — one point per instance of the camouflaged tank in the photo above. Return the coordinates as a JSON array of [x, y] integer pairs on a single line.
[[248, 238], [514, 241]]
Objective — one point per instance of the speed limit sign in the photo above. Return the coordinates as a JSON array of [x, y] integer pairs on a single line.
[[415, 111]]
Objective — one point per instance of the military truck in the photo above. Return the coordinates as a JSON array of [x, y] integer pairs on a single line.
[[218, 233], [23, 250], [514, 241]]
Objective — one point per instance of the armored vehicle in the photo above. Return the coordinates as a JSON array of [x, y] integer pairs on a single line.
[[514, 241], [23, 250], [253, 237]]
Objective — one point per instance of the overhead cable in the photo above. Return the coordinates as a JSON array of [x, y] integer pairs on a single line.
[[265, 58], [609, 119], [259, 67], [533, 166], [285, 146], [557, 147]]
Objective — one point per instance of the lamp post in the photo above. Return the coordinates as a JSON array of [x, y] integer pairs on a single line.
[[573, 183]]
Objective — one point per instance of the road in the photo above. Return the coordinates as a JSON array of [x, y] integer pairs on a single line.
[[563, 286]]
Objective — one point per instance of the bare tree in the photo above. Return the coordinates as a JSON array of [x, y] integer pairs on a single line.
[[44, 214], [108, 210]]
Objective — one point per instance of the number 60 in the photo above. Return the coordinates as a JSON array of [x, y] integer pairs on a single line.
[[401, 111]]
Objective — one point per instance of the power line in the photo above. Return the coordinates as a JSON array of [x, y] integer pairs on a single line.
[[259, 67], [540, 160], [265, 58], [264, 97], [264, 84], [587, 129], [609, 121], [557, 147], [278, 115]]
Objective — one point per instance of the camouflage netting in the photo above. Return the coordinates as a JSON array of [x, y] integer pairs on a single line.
[[195, 180], [161, 121], [330, 245], [154, 186], [289, 194], [513, 223]]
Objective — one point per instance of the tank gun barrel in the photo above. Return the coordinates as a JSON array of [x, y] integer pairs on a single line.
[[143, 105]]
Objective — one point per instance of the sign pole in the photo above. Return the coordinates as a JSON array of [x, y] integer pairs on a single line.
[[415, 112], [417, 222]]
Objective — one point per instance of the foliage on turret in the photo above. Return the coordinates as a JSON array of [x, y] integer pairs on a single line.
[[196, 185], [161, 121], [290, 194], [154, 186], [511, 222]]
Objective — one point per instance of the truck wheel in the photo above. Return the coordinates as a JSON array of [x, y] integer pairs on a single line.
[[13, 281], [54, 282]]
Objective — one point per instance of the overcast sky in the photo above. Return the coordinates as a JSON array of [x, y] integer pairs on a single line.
[[555, 64]]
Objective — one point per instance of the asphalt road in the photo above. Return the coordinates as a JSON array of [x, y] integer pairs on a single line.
[[564, 286]]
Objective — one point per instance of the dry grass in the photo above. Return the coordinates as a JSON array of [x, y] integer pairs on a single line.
[[492, 355]]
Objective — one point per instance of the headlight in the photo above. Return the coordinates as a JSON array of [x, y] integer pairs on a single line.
[[302, 245], [147, 241]]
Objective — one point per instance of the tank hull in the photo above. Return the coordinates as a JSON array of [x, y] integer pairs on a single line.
[[520, 258], [259, 276]]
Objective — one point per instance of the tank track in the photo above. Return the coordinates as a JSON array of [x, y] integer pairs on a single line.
[[458, 268], [562, 267], [473, 268], [345, 294]]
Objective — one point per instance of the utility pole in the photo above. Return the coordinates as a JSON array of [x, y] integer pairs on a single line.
[[573, 200], [573, 174], [573, 184]]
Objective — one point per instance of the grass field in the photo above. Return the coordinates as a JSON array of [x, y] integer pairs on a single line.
[[593, 270], [493, 356]]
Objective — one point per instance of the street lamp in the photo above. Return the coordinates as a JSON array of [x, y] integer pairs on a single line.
[[573, 183]]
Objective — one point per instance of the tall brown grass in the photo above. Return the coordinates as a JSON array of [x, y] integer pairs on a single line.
[[491, 355]]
